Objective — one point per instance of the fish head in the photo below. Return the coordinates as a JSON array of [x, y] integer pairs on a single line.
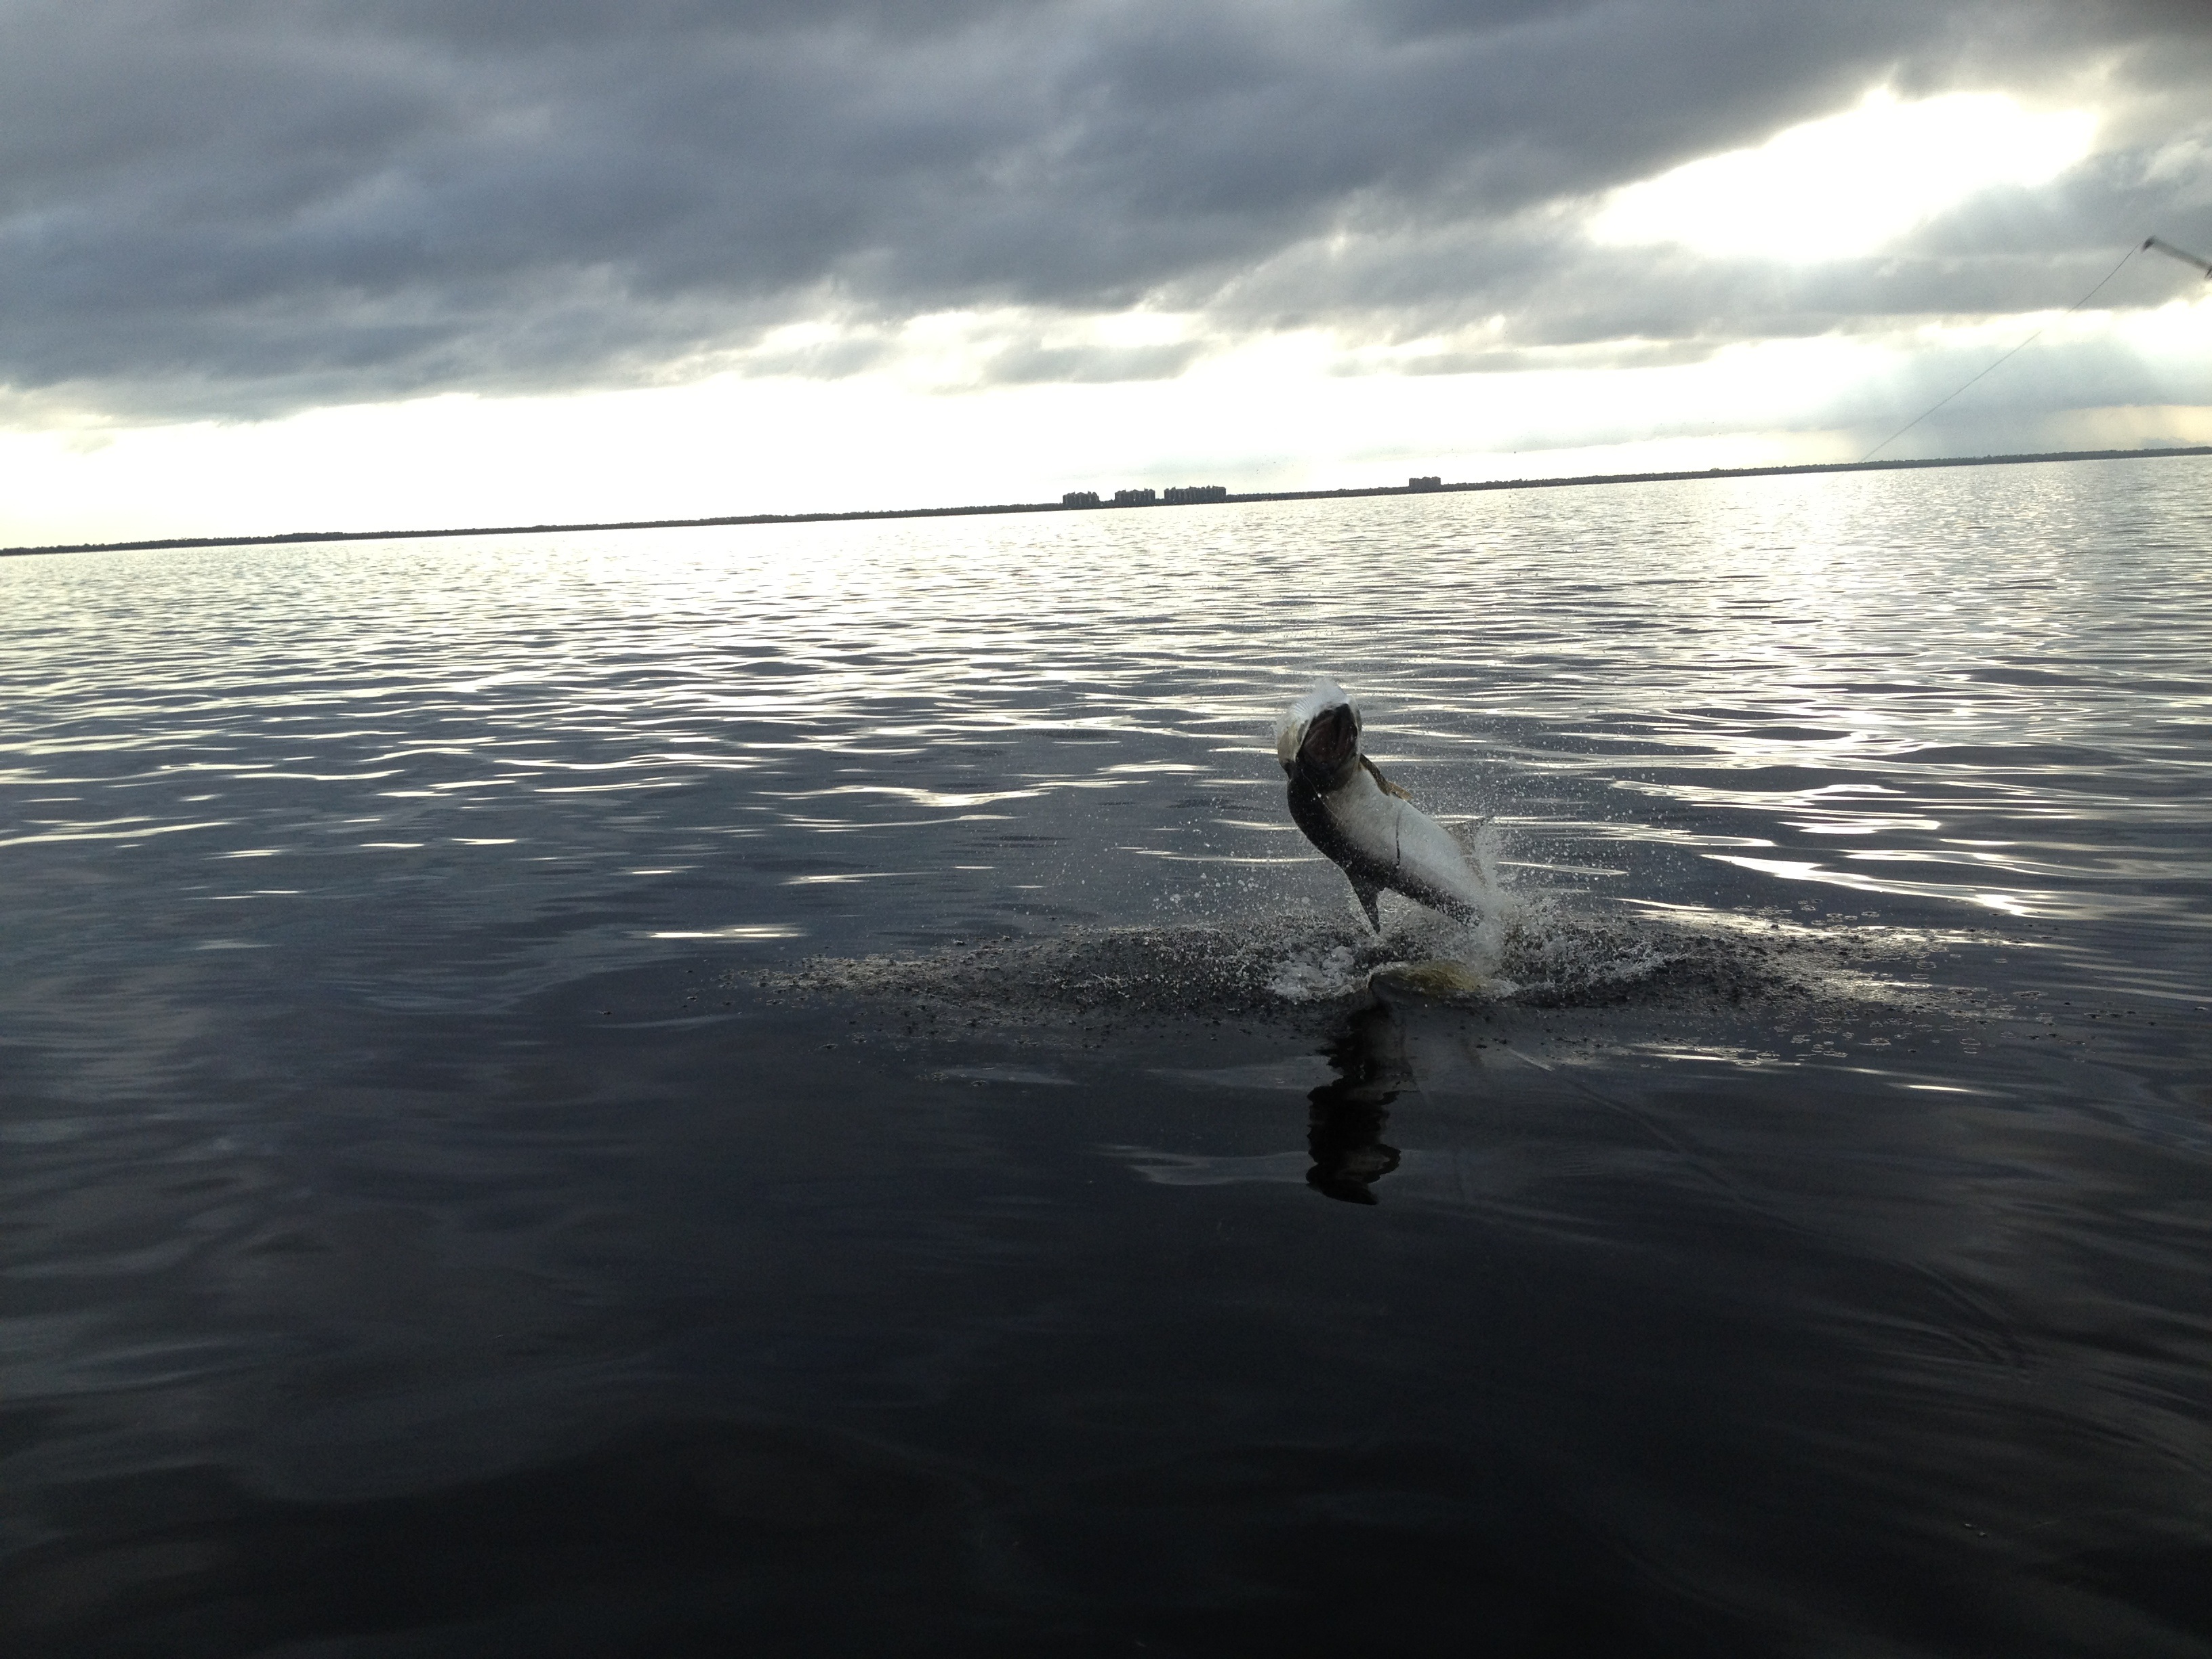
[[1317, 738]]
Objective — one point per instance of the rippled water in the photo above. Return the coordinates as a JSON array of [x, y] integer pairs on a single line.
[[639, 1092]]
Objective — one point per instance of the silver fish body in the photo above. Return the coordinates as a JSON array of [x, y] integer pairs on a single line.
[[1363, 823]]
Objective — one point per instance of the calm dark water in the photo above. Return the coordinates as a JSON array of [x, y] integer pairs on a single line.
[[794, 1090]]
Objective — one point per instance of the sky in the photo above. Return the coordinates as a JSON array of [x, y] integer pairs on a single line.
[[271, 265]]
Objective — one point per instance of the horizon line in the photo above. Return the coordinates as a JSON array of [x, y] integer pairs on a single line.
[[297, 537]]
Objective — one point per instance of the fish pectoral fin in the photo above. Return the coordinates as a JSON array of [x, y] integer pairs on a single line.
[[1367, 892], [1382, 782]]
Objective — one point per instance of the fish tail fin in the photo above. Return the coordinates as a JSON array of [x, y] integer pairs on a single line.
[[1464, 834]]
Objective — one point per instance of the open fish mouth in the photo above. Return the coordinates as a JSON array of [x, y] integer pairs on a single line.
[[1330, 749]]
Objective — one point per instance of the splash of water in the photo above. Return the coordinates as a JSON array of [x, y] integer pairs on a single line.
[[1534, 952]]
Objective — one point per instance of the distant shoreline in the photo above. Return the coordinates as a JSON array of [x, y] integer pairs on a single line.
[[300, 536]]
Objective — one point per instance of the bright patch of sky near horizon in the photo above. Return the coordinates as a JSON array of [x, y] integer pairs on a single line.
[[1283, 410], [1847, 185]]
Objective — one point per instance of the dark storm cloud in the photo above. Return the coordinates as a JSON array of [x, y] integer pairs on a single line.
[[233, 206]]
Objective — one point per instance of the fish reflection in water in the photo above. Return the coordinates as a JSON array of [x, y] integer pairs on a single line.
[[1349, 1113], [1378, 1052]]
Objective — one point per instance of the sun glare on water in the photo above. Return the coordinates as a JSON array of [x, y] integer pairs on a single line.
[[1848, 184]]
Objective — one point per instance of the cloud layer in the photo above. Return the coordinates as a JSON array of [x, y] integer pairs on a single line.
[[241, 207]]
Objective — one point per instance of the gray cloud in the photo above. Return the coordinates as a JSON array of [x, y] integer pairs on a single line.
[[235, 207]]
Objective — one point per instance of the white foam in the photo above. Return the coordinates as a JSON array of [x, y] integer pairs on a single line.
[[1529, 950], [1337, 973]]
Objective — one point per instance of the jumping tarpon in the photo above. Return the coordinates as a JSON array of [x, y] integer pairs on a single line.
[[1363, 823]]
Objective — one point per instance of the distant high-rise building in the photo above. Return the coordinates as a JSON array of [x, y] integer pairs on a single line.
[[1079, 498], [1198, 493], [1134, 498], [1434, 481]]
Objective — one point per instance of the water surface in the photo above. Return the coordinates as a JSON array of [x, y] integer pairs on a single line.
[[795, 1085]]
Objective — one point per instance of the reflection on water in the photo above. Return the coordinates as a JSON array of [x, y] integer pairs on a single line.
[[1350, 1113], [643, 1092], [1959, 698]]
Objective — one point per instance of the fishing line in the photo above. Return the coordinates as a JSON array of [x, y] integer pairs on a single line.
[[2148, 244], [2007, 358], [2145, 246], [1997, 1329]]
